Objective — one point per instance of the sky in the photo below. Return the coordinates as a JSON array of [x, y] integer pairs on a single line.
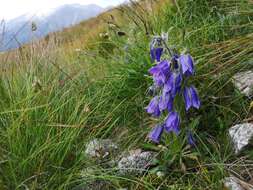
[[13, 8]]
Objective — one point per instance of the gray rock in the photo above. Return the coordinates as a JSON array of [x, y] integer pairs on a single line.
[[244, 82], [135, 163], [100, 149], [232, 183], [241, 135]]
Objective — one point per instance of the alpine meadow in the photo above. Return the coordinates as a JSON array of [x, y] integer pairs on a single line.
[[148, 95]]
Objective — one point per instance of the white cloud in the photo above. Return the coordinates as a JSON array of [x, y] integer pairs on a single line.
[[12, 8]]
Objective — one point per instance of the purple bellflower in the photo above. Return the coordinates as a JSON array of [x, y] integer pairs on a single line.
[[160, 72], [190, 139], [156, 49], [173, 83], [153, 107], [187, 65], [170, 77], [156, 53], [172, 123], [166, 102], [191, 98], [156, 133]]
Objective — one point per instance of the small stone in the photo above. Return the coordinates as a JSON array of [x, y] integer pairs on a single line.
[[160, 174], [241, 135], [244, 82], [135, 163], [232, 183], [101, 148]]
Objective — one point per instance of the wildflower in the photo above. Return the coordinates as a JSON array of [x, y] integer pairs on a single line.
[[166, 102], [156, 133], [169, 76], [160, 72], [186, 62], [172, 123], [156, 50], [173, 84], [190, 139], [162, 67], [156, 54], [191, 98], [153, 107]]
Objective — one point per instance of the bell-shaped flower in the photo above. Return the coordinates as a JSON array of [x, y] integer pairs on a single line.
[[190, 139], [172, 123], [160, 72], [191, 98], [173, 83], [163, 66], [187, 65], [156, 53], [166, 102], [153, 107], [156, 133]]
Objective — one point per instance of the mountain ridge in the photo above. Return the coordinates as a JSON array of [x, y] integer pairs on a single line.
[[23, 29]]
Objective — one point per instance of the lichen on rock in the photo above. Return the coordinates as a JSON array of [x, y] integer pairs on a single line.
[[101, 149], [244, 82], [135, 163], [241, 135]]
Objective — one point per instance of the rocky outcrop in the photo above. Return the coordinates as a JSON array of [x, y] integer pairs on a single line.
[[243, 81], [241, 135]]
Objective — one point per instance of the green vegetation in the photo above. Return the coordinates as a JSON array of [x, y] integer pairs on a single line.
[[52, 102]]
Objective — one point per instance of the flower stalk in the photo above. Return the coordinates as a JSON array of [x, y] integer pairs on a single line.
[[170, 76]]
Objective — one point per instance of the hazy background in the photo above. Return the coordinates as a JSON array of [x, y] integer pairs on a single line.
[[12, 8], [18, 16]]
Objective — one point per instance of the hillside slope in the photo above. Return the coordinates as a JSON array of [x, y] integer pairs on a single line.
[[90, 82]]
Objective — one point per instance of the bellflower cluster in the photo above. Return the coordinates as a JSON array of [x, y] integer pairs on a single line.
[[170, 76]]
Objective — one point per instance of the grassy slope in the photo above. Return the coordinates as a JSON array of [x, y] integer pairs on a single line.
[[53, 100]]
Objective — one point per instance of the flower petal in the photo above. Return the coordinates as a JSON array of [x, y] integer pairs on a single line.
[[166, 102], [164, 66], [187, 98], [190, 139], [154, 70], [187, 65], [168, 86], [160, 79], [172, 123], [158, 54], [153, 107], [195, 97], [152, 54], [156, 133]]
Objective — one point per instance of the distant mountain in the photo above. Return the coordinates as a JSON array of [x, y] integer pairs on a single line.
[[19, 30]]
